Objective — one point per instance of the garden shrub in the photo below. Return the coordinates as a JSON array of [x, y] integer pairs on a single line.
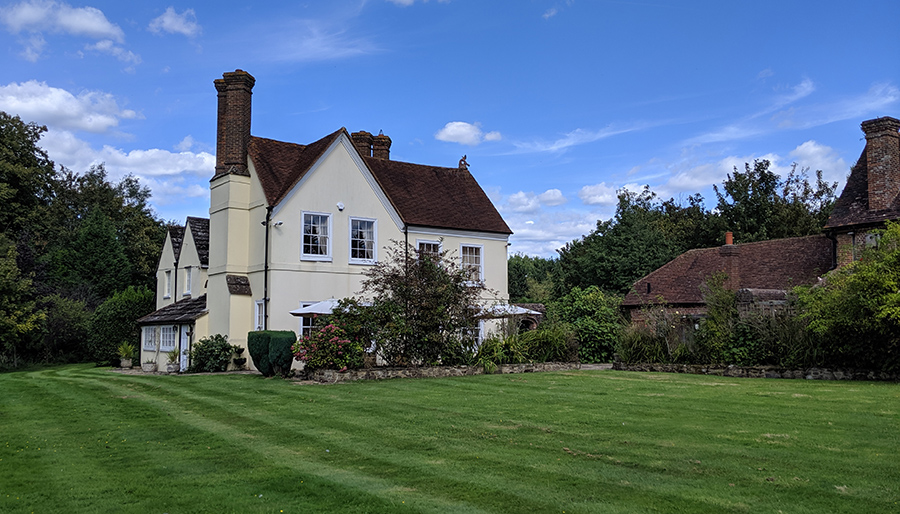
[[550, 342], [115, 320], [280, 354], [329, 347], [211, 354], [258, 346], [596, 319]]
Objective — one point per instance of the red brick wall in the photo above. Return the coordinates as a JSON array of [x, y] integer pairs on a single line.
[[883, 161]]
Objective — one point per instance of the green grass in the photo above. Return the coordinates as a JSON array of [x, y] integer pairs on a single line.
[[82, 439]]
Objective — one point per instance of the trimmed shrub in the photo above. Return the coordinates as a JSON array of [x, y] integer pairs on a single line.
[[280, 354], [116, 321], [211, 354], [258, 346]]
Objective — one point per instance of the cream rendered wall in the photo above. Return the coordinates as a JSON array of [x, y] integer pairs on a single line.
[[339, 177], [190, 258], [166, 263], [229, 231]]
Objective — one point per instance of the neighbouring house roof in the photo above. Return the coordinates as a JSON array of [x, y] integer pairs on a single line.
[[179, 312], [774, 264], [428, 196], [200, 230], [852, 207], [176, 234]]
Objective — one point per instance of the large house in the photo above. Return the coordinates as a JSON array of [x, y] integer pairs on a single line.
[[762, 272], [290, 225]]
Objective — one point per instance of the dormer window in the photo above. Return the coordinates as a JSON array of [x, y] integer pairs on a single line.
[[187, 281], [168, 288]]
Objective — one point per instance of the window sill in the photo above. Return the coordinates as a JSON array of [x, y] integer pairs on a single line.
[[315, 258]]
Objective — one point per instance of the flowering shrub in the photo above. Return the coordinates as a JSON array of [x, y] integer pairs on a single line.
[[329, 348]]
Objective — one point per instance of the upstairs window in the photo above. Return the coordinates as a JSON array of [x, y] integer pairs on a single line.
[[362, 241], [187, 281], [168, 289], [316, 237], [472, 262], [429, 249]]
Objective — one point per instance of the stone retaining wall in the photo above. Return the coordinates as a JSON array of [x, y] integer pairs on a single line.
[[760, 371], [329, 376]]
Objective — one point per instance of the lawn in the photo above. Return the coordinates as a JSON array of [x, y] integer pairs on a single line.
[[83, 439]]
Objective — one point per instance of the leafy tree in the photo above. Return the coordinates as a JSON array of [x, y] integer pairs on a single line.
[[530, 278], [757, 204], [422, 308], [115, 321], [596, 318], [25, 171], [19, 321], [66, 329]]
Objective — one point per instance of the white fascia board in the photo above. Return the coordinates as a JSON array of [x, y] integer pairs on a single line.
[[449, 232], [345, 142]]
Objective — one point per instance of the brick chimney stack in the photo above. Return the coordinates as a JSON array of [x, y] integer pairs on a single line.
[[731, 254], [882, 161], [362, 140], [233, 122], [381, 147]]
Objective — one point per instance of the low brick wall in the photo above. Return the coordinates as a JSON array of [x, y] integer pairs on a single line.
[[760, 371], [329, 376]]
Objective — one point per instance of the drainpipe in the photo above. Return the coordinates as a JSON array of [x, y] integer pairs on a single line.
[[266, 272]]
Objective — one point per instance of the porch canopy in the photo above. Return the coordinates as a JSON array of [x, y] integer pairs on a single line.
[[494, 311]]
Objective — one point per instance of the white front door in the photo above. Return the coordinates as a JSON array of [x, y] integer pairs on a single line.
[[185, 346]]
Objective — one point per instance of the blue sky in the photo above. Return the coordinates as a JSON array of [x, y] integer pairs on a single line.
[[556, 103]]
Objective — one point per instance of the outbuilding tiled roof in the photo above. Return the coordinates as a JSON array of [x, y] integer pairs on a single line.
[[179, 312], [428, 196], [200, 230], [852, 207], [774, 264]]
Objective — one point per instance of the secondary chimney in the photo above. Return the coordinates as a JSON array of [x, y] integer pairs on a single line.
[[882, 161], [730, 254], [362, 140], [233, 122], [381, 147]]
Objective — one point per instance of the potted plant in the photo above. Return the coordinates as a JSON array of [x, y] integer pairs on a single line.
[[126, 352], [149, 366], [174, 362], [239, 361]]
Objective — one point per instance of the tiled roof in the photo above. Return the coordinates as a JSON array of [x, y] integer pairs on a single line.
[[179, 312], [176, 234], [200, 230], [281, 165], [774, 264], [431, 196], [852, 207], [238, 284], [428, 196]]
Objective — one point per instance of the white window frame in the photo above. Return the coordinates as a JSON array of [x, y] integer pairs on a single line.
[[329, 237], [480, 259], [306, 322], [150, 339], [259, 314], [187, 281], [168, 278], [374, 258], [168, 337], [420, 242]]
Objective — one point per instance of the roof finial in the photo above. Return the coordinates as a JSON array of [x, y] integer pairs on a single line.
[[463, 165]]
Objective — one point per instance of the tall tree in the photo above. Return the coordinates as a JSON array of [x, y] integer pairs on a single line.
[[25, 172], [19, 321]]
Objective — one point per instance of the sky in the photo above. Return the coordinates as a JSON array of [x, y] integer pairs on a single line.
[[557, 104]]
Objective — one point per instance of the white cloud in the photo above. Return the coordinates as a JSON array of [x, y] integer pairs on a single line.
[[547, 232], [37, 17], [90, 111], [598, 194], [308, 41], [574, 138], [465, 133], [186, 144], [66, 149], [814, 156], [552, 197], [549, 13], [174, 23], [107, 46], [407, 3]]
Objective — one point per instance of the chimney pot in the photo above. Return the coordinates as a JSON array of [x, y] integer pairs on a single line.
[[882, 161], [362, 140], [729, 238]]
